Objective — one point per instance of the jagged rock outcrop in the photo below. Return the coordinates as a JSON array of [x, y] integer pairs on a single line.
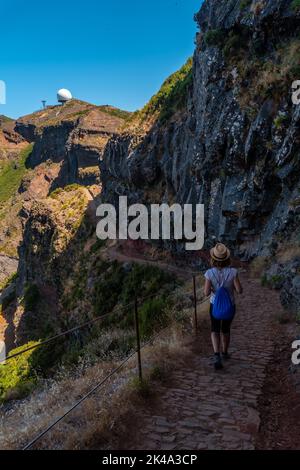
[[235, 146], [8, 266], [73, 135], [11, 142], [54, 234]]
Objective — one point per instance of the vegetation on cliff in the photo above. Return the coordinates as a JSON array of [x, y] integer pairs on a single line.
[[116, 112], [296, 4], [17, 376], [12, 173], [171, 97]]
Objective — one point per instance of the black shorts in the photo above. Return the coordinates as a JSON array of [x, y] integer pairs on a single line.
[[220, 326]]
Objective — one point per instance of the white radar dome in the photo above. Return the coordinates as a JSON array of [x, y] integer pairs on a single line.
[[63, 95]]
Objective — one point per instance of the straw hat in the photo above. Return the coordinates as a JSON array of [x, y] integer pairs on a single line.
[[220, 252]]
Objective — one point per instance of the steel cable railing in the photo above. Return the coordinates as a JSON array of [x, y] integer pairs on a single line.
[[64, 333], [135, 304], [101, 383], [81, 326]]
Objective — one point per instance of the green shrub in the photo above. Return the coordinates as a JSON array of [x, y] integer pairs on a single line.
[[279, 121], [296, 4], [12, 278], [67, 189], [57, 192], [232, 45], [272, 282], [11, 175], [171, 97], [245, 3], [214, 37], [115, 284], [152, 314], [141, 387], [17, 376], [109, 288], [144, 280], [97, 245]]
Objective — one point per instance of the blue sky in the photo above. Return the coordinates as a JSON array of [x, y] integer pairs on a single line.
[[114, 52]]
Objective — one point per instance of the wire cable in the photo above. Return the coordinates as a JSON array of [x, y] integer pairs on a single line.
[[37, 438], [65, 333], [99, 385], [79, 327]]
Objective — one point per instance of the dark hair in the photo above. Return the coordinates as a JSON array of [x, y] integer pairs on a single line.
[[220, 264]]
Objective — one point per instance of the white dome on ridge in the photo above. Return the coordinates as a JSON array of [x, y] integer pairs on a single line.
[[64, 95]]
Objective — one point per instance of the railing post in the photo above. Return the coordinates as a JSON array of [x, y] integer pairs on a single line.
[[138, 340], [195, 304]]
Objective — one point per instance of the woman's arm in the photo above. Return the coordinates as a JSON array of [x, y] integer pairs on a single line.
[[237, 285], [207, 287]]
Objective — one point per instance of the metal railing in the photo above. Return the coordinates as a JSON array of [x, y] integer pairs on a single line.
[[139, 347]]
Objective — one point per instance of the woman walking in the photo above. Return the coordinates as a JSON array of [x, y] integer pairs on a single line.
[[221, 283]]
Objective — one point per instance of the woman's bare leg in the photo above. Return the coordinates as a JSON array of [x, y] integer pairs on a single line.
[[215, 339], [225, 339]]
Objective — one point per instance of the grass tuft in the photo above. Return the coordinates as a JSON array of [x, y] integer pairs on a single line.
[[17, 377], [11, 175], [296, 5], [171, 97]]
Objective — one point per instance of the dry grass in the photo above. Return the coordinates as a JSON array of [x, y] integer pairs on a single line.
[[269, 77], [287, 253], [97, 420]]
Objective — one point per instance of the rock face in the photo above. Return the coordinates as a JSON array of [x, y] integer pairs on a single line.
[[53, 237], [11, 142], [8, 266], [235, 146], [73, 135]]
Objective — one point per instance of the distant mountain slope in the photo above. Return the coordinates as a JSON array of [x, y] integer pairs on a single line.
[[74, 136], [48, 149]]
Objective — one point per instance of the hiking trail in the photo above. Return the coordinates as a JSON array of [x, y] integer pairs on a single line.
[[199, 408]]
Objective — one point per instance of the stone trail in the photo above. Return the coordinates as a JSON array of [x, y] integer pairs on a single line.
[[204, 409]]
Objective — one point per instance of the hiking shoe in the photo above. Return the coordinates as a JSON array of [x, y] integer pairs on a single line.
[[218, 363], [226, 356]]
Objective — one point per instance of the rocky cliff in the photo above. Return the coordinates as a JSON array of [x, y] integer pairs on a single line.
[[234, 145], [72, 136], [40, 155]]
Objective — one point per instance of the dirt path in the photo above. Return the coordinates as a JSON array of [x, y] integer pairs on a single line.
[[113, 253], [280, 400], [202, 409]]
